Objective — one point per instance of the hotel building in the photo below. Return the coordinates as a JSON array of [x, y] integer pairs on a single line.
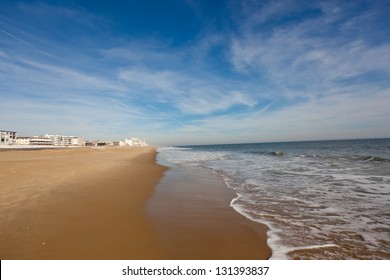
[[7, 137]]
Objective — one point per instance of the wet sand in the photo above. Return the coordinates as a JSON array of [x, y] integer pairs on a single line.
[[91, 203], [191, 215]]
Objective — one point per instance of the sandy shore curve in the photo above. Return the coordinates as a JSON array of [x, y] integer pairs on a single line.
[[92, 203]]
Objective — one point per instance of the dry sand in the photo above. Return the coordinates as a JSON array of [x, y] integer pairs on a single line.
[[90, 203], [77, 203]]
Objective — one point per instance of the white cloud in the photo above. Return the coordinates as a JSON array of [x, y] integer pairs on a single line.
[[210, 101], [142, 51], [42, 79], [167, 81], [304, 59], [188, 93], [26, 43], [329, 117], [41, 10], [274, 74]]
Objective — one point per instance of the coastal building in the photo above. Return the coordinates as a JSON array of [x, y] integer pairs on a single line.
[[76, 141], [23, 140], [99, 143], [90, 143], [10, 138], [135, 142], [50, 140], [62, 140], [41, 141], [7, 137], [102, 143]]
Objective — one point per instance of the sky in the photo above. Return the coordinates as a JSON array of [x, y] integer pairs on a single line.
[[196, 71]]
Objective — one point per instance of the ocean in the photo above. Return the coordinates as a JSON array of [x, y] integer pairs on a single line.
[[320, 199]]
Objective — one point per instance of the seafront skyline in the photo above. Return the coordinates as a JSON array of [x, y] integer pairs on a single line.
[[196, 72]]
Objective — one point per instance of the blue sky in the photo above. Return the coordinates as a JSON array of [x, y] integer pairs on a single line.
[[196, 72]]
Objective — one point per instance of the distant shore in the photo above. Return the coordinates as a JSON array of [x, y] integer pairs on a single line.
[[92, 203]]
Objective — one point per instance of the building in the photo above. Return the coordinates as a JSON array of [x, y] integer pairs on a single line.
[[62, 140], [41, 141], [7, 137], [50, 140], [90, 143], [76, 141], [99, 143], [23, 140], [135, 142]]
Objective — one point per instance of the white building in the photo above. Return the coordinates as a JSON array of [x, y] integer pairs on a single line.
[[23, 140], [76, 141], [41, 141], [50, 140], [7, 137], [134, 142], [62, 140]]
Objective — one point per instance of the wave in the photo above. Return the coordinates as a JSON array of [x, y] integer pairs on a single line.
[[174, 148], [273, 153], [278, 153], [346, 157], [374, 158]]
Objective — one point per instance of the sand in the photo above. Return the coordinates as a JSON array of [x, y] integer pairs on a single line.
[[96, 203], [77, 203], [190, 212]]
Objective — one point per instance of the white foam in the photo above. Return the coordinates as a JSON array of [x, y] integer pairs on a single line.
[[282, 252], [301, 195], [173, 149], [273, 240]]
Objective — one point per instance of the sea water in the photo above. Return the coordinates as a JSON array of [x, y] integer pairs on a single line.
[[320, 199]]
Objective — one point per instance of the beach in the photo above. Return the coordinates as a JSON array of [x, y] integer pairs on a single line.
[[100, 203], [191, 214]]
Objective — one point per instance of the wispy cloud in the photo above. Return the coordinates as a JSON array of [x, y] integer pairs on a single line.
[[188, 92], [310, 52], [26, 43], [332, 117], [143, 52], [253, 71], [166, 115]]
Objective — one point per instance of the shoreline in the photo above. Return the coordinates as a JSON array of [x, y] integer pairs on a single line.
[[191, 205]]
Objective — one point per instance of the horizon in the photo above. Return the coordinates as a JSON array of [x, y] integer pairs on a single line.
[[292, 141], [180, 73], [216, 144]]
